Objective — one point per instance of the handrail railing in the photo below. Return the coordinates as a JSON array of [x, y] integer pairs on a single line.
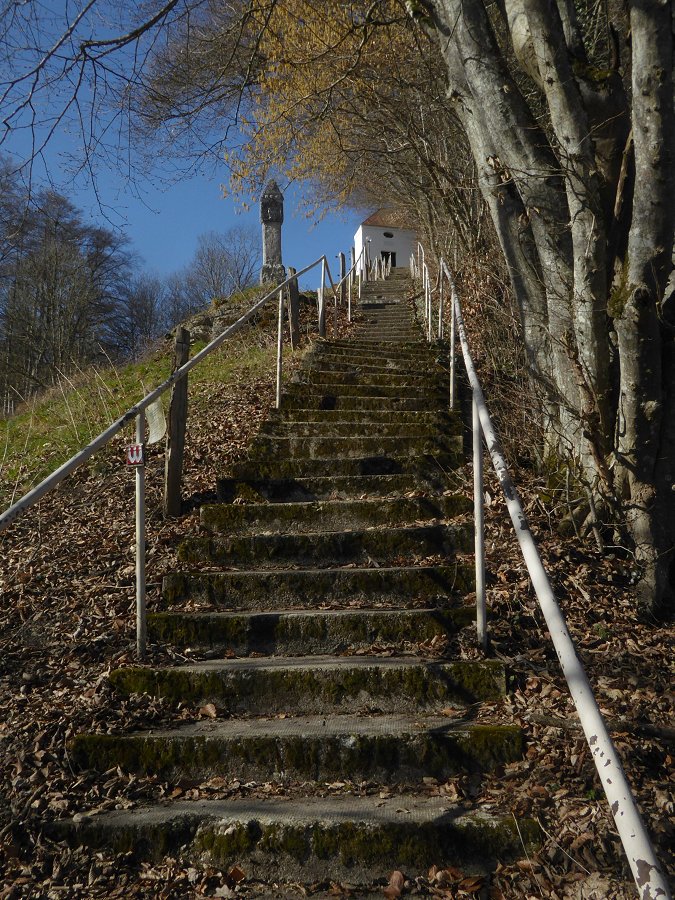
[[137, 412], [647, 871]]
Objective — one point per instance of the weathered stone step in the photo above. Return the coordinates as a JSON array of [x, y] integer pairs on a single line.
[[279, 427], [427, 381], [393, 749], [303, 397], [339, 487], [343, 365], [349, 447], [347, 838], [443, 418], [321, 684], [267, 589], [392, 464], [431, 395], [330, 547], [329, 515], [373, 322], [299, 632], [380, 339], [396, 335], [416, 351], [382, 319]]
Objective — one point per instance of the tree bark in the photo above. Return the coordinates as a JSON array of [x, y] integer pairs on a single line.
[[646, 392]]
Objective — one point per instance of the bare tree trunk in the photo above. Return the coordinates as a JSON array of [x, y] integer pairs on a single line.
[[646, 408]]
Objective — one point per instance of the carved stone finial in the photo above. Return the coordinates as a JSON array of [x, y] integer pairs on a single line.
[[271, 216]]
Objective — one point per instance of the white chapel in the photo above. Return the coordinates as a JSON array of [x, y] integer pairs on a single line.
[[385, 238]]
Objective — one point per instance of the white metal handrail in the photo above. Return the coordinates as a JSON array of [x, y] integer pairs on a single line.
[[137, 413], [647, 871]]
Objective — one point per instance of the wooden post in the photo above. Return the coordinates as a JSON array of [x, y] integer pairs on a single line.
[[175, 435], [141, 626], [294, 309], [280, 346], [343, 282]]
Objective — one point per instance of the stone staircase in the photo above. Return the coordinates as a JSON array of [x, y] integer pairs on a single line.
[[333, 559]]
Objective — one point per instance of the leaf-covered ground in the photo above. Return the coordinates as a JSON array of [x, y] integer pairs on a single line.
[[67, 618]]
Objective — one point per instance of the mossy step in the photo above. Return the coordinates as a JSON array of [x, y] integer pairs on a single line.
[[328, 363], [444, 419], [323, 748], [304, 397], [391, 464], [412, 349], [388, 334], [329, 515], [432, 395], [425, 355], [428, 381], [320, 684], [381, 545], [402, 340], [267, 589], [340, 487], [277, 426], [347, 838], [300, 632], [293, 446], [374, 320], [349, 345]]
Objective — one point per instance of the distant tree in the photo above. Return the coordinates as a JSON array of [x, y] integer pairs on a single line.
[[223, 264], [140, 318], [61, 285]]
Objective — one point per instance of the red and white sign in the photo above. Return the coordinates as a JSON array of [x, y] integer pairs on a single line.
[[135, 455]]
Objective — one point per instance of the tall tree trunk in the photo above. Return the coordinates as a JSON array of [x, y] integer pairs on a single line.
[[646, 391]]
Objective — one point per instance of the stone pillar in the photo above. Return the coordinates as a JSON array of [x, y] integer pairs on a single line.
[[271, 216]]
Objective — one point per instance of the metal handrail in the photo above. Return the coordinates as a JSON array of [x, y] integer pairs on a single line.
[[647, 871], [137, 413], [56, 477]]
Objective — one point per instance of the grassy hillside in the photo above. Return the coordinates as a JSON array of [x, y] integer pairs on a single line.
[[49, 430]]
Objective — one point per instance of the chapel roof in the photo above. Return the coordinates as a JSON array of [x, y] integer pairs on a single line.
[[386, 218]]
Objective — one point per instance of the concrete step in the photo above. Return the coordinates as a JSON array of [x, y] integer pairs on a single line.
[[388, 750], [320, 684], [426, 356], [328, 363], [340, 487], [299, 632], [278, 427], [381, 545], [329, 515], [346, 839], [304, 397], [411, 354], [381, 334], [267, 589], [429, 380], [259, 467], [430, 395], [442, 418], [350, 447]]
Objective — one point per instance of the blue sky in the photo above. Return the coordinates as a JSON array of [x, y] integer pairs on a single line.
[[164, 221], [161, 216], [165, 226]]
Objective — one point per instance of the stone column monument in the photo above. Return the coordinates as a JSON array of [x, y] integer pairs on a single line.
[[271, 216]]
